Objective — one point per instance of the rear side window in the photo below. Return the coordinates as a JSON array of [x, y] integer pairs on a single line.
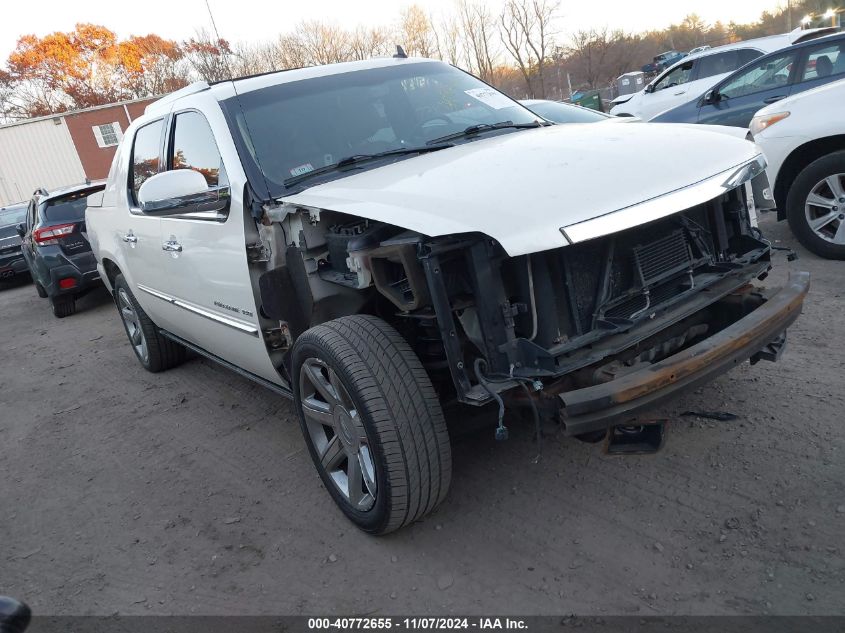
[[675, 77], [772, 72], [194, 148], [824, 61], [70, 208], [146, 150], [727, 62]]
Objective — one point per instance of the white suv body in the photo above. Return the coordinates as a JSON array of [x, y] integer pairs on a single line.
[[803, 138], [387, 239], [696, 73]]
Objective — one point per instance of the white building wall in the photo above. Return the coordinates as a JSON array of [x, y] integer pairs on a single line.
[[35, 154]]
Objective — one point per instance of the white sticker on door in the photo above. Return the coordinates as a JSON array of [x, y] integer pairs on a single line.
[[490, 97]]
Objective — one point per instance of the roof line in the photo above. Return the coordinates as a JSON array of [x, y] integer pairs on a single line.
[[66, 113]]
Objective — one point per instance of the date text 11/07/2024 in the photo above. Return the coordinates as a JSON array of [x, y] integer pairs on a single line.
[[423, 623]]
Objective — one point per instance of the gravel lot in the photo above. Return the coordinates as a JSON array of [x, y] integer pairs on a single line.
[[191, 492]]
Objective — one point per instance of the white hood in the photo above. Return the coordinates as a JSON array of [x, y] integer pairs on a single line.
[[521, 188]]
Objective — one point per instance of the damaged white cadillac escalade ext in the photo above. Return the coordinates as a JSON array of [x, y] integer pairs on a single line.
[[379, 240]]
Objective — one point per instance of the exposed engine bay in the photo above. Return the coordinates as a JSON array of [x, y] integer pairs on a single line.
[[562, 319]]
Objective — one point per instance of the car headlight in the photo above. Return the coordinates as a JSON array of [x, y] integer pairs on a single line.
[[765, 121]]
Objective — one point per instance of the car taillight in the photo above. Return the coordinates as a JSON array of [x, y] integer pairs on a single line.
[[50, 234]]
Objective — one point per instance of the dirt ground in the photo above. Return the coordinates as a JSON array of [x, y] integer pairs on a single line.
[[191, 492]]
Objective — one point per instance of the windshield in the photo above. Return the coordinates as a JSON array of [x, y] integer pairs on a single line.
[[69, 208], [291, 129], [13, 215], [564, 113]]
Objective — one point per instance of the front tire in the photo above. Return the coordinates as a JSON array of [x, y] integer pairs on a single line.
[[372, 422], [154, 351], [815, 206]]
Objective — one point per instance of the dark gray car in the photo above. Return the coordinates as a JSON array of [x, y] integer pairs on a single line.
[[55, 246], [12, 262]]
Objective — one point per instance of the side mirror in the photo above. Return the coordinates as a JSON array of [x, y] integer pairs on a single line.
[[649, 88], [21, 229], [180, 191], [711, 96]]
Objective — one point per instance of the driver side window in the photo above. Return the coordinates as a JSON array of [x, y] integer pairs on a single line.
[[675, 77], [764, 75]]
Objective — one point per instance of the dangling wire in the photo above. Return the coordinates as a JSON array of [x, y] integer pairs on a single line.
[[527, 384]]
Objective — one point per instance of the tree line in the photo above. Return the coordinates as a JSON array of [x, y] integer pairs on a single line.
[[518, 48]]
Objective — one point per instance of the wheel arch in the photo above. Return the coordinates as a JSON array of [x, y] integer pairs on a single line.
[[112, 270], [797, 160]]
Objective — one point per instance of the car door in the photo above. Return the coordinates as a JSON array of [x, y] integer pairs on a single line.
[[820, 64], [138, 234], [737, 98], [668, 91], [205, 263]]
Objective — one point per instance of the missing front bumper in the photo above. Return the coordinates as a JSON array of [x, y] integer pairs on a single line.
[[607, 404]]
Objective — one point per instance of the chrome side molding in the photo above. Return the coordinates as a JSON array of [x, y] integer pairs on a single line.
[[237, 324]]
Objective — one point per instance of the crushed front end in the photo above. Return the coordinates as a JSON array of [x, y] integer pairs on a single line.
[[607, 327]]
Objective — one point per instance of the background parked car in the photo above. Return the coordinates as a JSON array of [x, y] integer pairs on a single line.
[[695, 74], [664, 60], [55, 246], [11, 260], [735, 99], [559, 112], [803, 137], [699, 49]]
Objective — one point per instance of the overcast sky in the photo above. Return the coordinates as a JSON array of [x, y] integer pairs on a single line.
[[250, 20]]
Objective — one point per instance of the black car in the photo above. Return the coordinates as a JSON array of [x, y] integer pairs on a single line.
[[12, 262], [737, 98], [56, 247]]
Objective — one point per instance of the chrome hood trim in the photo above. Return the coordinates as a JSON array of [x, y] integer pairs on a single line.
[[667, 204]]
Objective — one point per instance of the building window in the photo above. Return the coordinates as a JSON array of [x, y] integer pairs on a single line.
[[107, 134]]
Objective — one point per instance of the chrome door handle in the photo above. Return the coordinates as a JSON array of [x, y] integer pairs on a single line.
[[172, 246], [130, 239]]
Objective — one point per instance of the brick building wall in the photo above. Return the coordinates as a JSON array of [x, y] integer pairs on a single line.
[[96, 131]]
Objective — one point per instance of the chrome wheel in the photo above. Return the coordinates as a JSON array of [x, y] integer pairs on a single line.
[[133, 325], [337, 433], [825, 209]]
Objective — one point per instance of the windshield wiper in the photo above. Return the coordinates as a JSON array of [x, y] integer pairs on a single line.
[[472, 130], [356, 159]]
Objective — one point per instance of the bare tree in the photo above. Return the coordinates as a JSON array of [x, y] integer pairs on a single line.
[[254, 59], [588, 51], [208, 56], [367, 42], [478, 27], [323, 43], [527, 36], [447, 38], [417, 33]]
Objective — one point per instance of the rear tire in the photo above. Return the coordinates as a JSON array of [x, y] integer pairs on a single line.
[[40, 290], [154, 351], [811, 185], [372, 422], [63, 306]]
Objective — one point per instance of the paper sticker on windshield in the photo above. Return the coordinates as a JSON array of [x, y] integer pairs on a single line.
[[302, 169], [490, 97]]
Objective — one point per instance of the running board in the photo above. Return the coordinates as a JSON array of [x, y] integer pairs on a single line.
[[282, 391]]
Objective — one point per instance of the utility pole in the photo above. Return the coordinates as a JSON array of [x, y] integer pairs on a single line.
[[788, 16]]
